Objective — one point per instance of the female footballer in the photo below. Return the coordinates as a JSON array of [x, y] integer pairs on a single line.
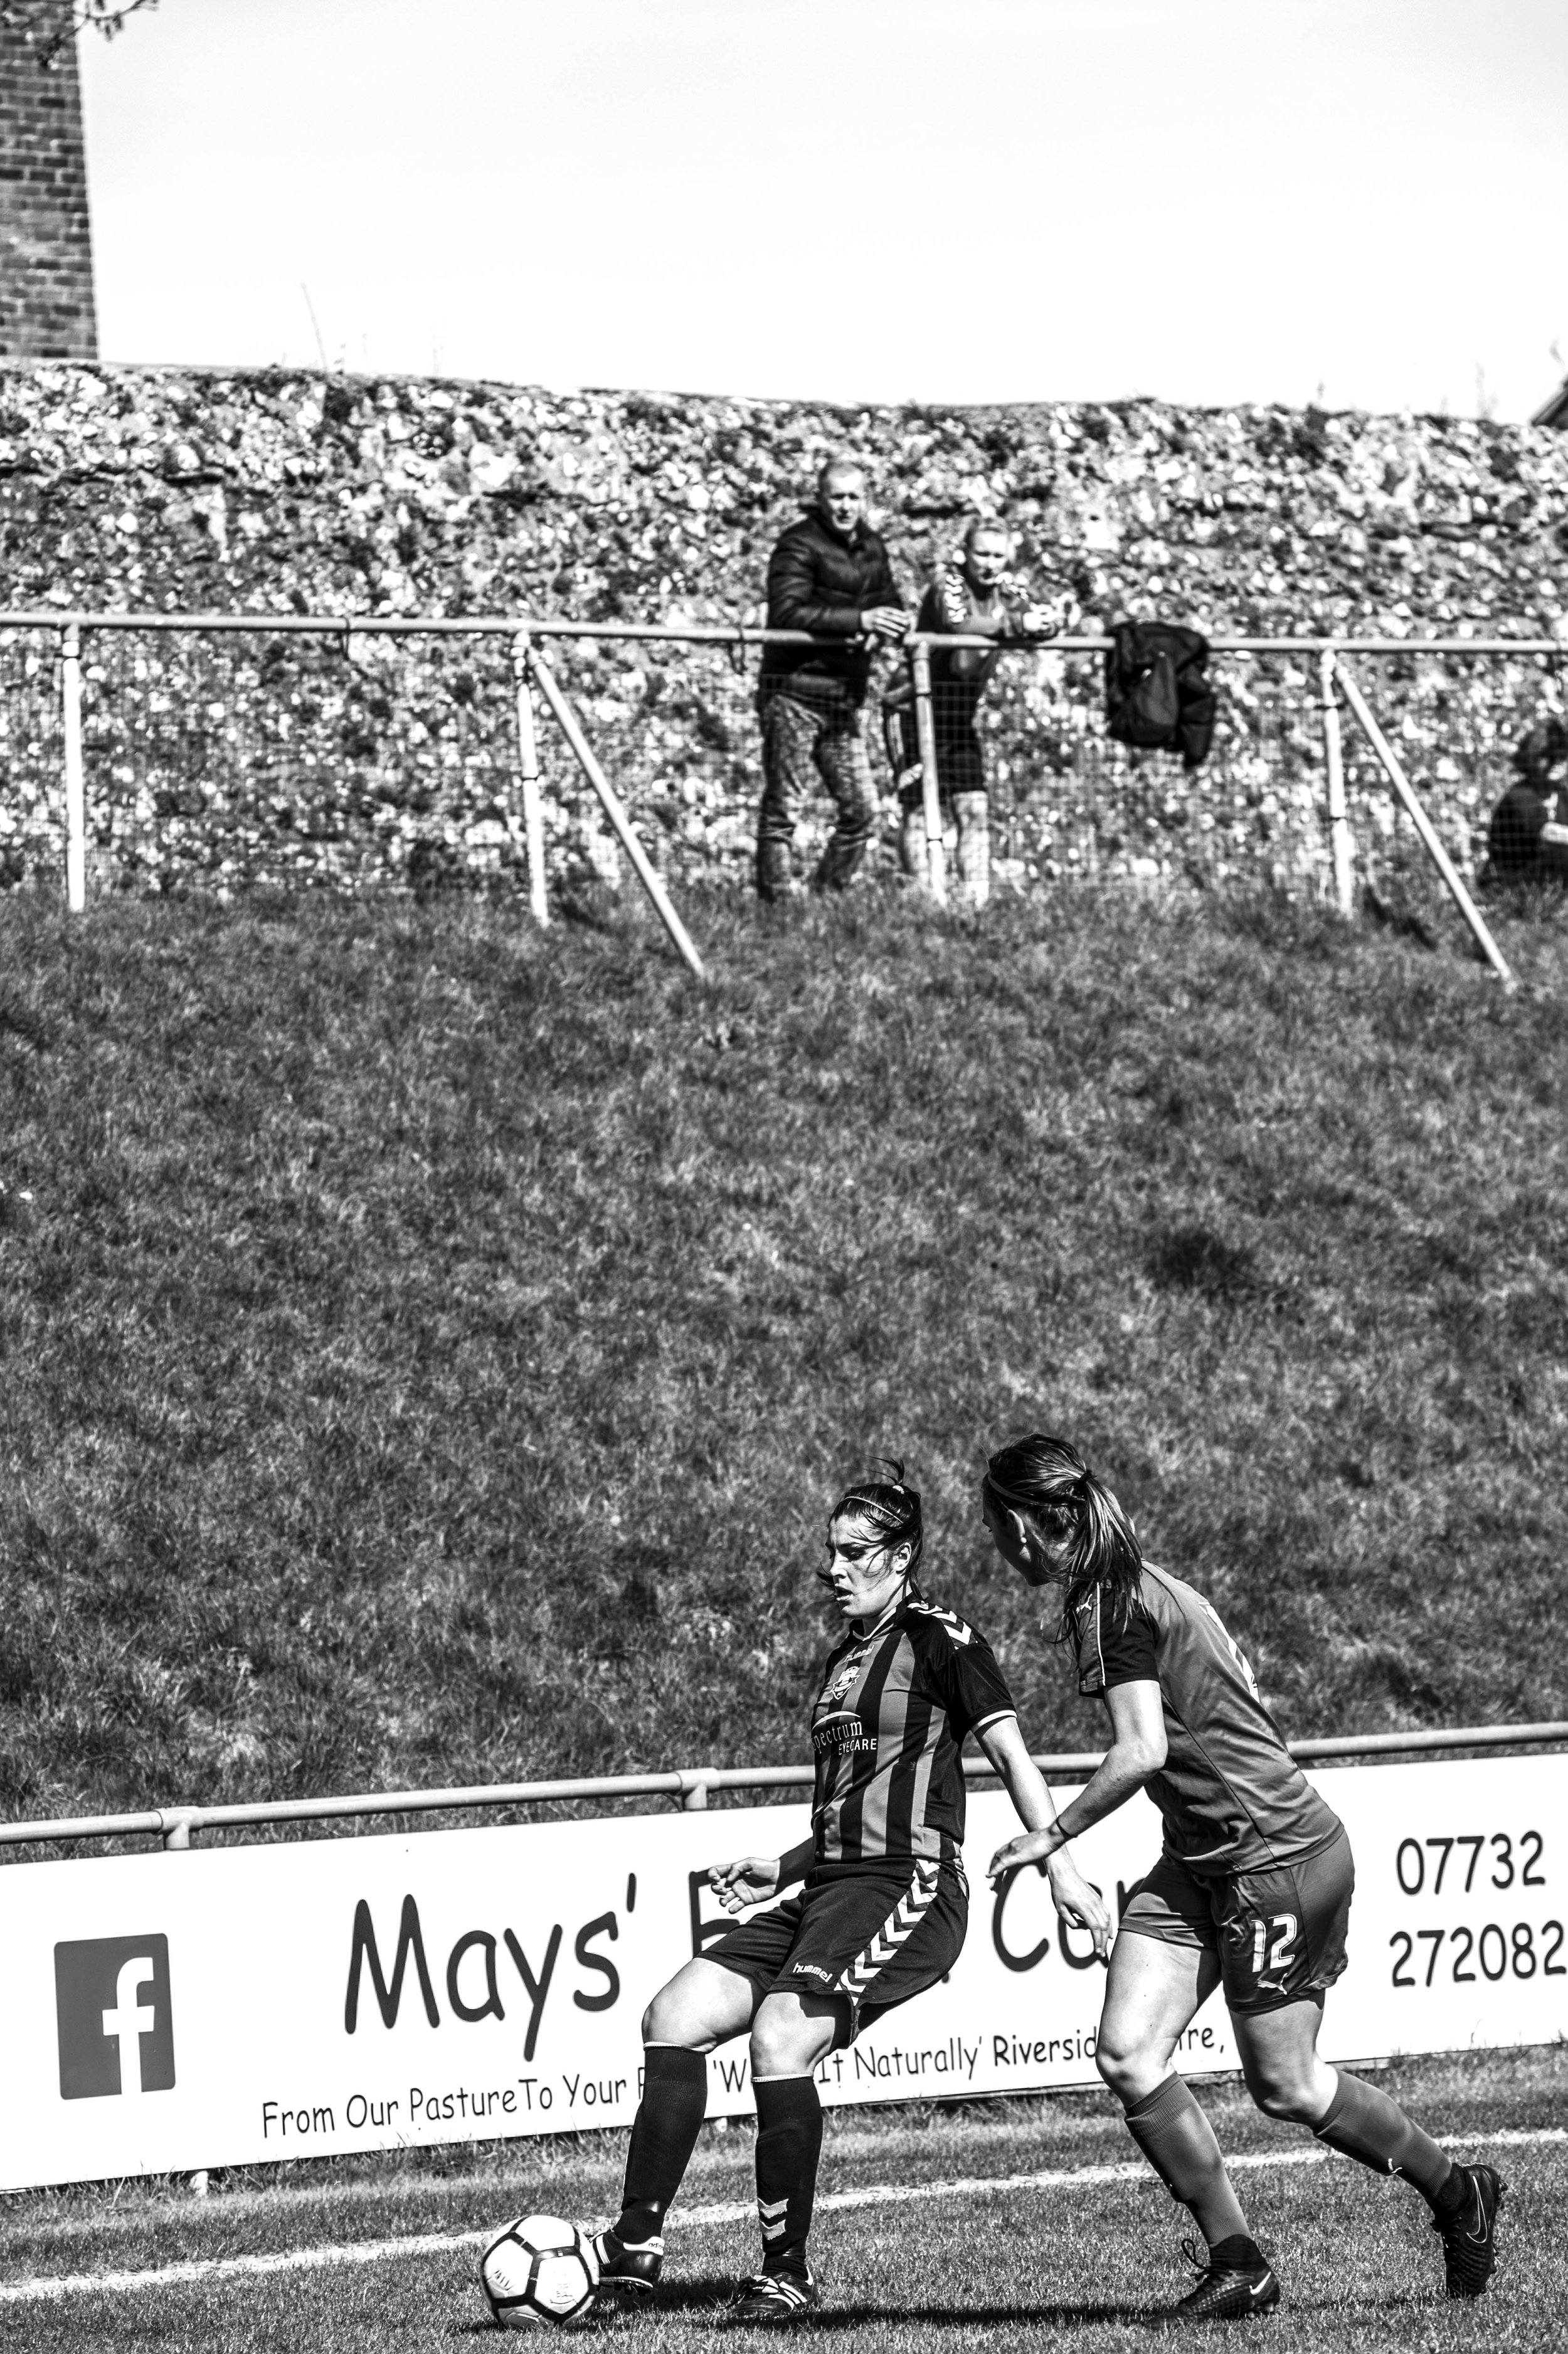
[[1252, 1890], [881, 1907]]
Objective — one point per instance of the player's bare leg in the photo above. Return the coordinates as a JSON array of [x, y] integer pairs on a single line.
[[703, 2006], [1154, 1991], [1286, 2078]]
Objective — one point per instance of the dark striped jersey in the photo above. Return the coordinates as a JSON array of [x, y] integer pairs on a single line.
[[1230, 1794], [888, 1726]]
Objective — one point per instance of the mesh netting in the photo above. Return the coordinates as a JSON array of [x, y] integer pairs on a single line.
[[219, 761]]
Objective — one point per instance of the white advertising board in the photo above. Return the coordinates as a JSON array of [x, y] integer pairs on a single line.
[[171, 2011]]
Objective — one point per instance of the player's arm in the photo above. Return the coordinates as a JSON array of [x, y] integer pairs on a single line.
[[750, 1878], [1137, 1753], [1076, 1898]]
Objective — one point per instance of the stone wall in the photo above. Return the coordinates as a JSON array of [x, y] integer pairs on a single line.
[[352, 760], [46, 246]]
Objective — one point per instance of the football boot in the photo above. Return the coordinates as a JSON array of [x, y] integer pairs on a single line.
[[774, 2297], [1227, 2292], [632, 2265], [1470, 2235]]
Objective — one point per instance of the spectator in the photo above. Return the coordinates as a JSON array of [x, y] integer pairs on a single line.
[[969, 599], [829, 573], [1528, 837]]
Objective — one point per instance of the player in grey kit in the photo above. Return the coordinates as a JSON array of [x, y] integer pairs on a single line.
[[1252, 1890]]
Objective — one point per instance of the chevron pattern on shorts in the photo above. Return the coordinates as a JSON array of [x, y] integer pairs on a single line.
[[895, 1930]]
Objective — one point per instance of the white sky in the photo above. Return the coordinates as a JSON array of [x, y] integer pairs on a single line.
[[1361, 201]]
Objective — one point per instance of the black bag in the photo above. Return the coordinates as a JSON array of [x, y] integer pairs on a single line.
[[1158, 694]]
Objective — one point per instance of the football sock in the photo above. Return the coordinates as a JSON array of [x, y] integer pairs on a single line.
[[788, 2146], [663, 2134], [1370, 2127], [1238, 2253], [1179, 2142]]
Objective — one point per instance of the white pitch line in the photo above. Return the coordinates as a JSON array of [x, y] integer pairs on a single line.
[[44, 2290]]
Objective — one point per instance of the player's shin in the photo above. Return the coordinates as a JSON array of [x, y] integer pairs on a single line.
[[1179, 2142], [1368, 2127], [789, 2148], [663, 2136]]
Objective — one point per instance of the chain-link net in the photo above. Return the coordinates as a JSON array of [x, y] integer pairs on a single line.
[[32, 758], [223, 762]]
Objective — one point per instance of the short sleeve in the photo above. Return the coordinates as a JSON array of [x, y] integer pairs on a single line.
[[962, 1671], [1109, 1656]]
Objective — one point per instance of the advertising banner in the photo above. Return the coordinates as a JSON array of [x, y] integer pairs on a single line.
[[172, 2011]]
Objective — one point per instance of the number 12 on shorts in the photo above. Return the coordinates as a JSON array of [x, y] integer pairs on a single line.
[[1280, 1954]]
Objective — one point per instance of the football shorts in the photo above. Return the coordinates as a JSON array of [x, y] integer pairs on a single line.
[[874, 1938], [1279, 1935]]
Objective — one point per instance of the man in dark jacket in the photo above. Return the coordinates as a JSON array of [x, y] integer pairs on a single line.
[[1528, 838], [829, 573]]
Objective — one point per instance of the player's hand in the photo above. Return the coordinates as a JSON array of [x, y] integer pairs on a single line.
[[744, 1882], [1079, 1902], [889, 621], [1038, 621], [1024, 1847]]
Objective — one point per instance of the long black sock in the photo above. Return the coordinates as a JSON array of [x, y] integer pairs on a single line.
[[1178, 2140], [663, 2136], [1368, 2127], [788, 2146]]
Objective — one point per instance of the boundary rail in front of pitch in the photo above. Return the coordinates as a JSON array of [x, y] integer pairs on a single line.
[[175, 1827]]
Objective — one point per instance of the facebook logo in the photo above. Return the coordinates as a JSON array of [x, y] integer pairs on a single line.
[[113, 2010]]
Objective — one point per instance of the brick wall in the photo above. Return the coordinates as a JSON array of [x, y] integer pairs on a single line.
[[46, 246]]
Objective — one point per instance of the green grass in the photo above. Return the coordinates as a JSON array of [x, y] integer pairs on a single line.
[[438, 1342], [1089, 2263]]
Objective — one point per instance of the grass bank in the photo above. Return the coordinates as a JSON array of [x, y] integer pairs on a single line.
[[436, 1342]]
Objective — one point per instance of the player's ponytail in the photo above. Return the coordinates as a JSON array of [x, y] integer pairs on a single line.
[[890, 1507], [1061, 1502]]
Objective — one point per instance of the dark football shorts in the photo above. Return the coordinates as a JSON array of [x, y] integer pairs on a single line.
[[1279, 1935], [875, 1938]]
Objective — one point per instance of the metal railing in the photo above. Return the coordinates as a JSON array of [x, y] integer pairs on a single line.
[[139, 740], [690, 1785]]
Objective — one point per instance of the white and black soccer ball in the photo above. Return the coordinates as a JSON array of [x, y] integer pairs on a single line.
[[538, 2269]]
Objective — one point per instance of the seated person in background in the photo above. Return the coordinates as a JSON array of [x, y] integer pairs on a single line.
[[829, 573], [968, 599], [1528, 837]]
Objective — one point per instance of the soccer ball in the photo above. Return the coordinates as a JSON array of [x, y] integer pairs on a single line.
[[538, 2269]]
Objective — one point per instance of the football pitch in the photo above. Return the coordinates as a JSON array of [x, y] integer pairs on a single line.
[[994, 2224]]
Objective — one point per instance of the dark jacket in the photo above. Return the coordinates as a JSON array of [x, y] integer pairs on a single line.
[[819, 580], [1158, 694]]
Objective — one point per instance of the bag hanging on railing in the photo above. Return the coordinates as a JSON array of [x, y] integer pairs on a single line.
[[1158, 696]]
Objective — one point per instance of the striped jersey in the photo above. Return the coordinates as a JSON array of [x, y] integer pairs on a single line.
[[889, 1723], [1230, 1794]]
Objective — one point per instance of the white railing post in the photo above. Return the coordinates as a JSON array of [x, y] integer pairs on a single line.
[[74, 782], [566, 719], [528, 772], [930, 784], [1428, 833], [1339, 843]]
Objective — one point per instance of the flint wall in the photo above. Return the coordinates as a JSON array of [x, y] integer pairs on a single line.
[[364, 763]]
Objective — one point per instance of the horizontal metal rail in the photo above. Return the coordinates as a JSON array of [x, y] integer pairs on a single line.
[[718, 633], [692, 1786]]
